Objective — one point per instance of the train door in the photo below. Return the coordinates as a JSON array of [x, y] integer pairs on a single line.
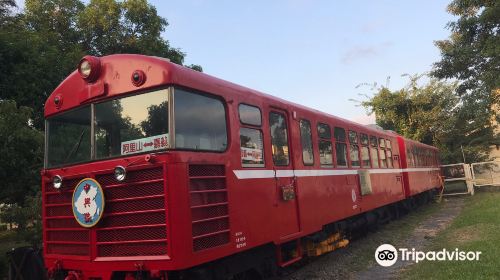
[[285, 181], [394, 161]]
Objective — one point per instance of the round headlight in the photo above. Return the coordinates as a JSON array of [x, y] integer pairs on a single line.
[[85, 68], [57, 182], [120, 173], [89, 68]]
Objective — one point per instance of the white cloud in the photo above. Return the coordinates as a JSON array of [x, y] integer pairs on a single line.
[[364, 52]]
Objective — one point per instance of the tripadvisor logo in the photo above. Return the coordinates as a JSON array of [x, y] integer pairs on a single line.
[[387, 255]]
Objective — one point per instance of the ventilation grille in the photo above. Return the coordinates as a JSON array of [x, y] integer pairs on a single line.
[[134, 221], [63, 235], [209, 206]]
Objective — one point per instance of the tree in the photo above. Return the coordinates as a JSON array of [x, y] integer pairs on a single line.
[[472, 53], [433, 114], [131, 26], [40, 47], [5, 6], [21, 147], [157, 118]]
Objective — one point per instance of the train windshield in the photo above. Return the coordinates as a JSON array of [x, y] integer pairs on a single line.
[[69, 137], [137, 124], [122, 126], [132, 125]]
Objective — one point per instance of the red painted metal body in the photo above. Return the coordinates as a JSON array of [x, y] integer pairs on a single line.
[[419, 175], [185, 208]]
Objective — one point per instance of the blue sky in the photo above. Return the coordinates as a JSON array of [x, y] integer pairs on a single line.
[[310, 52]]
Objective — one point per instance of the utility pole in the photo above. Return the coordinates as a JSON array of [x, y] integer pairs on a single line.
[[463, 155]]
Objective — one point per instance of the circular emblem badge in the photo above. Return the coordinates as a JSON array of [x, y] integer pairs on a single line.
[[88, 202]]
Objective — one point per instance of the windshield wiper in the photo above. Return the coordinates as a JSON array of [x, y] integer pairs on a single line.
[[76, 146]]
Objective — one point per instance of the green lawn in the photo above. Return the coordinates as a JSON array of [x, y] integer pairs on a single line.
[[477, 228]]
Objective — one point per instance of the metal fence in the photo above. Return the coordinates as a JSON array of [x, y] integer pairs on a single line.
[[486, 173], [458, 179]]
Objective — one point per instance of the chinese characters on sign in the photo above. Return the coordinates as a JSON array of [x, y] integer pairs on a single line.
[[147, 144], [250, 155]]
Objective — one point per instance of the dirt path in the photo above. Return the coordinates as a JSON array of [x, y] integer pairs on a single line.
[[419, 239], [341, 263]]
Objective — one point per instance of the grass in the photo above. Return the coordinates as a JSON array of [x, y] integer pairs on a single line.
[[476, 228]]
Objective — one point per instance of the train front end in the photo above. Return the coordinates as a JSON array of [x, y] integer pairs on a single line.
[[115, 193]]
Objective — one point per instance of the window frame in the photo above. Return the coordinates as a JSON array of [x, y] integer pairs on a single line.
[[345, 143], [249, 105], [388, 150], [172, 123], [326, 140], [257, 165], [310, 140], [279, 112], [356, 145], [374, 147], [258, 128], [382, 152], [329, 131], [367, 146]]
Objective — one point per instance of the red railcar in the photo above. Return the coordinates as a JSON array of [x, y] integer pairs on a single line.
[[155, 170]]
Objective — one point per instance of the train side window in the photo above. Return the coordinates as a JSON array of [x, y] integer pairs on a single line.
[[279, 138], [364, 139], [340, 146], [388, 145], [416, 158], [374, 151], [383, 158], [354, 149], [409, 157], [324, 131], [250, 115], [200, 121], [365, 151], [251, 145], [306, 140], [416, 155], [325, 145]]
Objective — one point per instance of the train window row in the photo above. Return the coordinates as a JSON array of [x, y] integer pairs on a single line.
[[420, 156], [345, 149], [359, 154]]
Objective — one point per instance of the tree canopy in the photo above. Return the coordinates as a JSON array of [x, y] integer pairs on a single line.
[[42, 45], [433, 113], [21, 147], [472, 52]]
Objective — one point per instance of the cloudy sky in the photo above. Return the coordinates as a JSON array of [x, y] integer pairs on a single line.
[[310, 52]]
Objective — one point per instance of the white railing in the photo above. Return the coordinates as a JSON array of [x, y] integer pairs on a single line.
[[486, 173], [458, 172]]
